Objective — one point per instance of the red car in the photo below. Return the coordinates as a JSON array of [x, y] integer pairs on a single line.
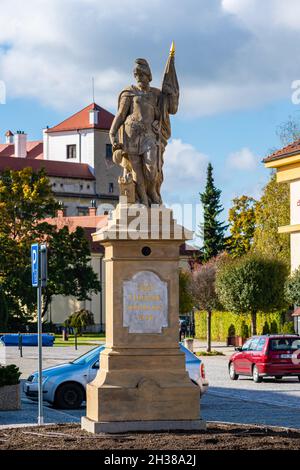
[[267, 355]]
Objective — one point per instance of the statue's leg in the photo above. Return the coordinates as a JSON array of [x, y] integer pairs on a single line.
[[151, 173], [139, 178]]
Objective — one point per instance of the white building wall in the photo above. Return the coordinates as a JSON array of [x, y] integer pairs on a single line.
[[62, 307], [294, 220], [295, 251], [55, 146]]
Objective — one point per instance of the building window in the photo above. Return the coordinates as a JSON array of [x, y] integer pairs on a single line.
[[108, 153], [71, 151], [111, 187], [82, 211]]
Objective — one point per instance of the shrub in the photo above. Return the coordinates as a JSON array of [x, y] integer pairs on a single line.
[[231, 330], [292, 288], [221, 322], [266, 328], [9, 375], [274, 327], [80, 320], [244, 330], [288, 328]]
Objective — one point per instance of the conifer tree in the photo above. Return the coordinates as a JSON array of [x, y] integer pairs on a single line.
[[212, 230]]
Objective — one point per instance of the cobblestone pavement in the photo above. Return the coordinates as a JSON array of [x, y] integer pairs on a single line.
[[270, 402]]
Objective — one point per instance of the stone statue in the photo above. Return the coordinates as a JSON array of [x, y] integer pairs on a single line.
[[141, 129]]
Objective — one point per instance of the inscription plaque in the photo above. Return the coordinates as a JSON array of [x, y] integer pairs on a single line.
[[145, 303]]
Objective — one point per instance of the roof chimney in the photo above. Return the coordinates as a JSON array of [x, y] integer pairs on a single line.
[[9, 137], [61, 212], [94, 116], [93, 208], [20, 144]]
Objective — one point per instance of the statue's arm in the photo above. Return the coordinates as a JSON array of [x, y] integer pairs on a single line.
[[119, 118]]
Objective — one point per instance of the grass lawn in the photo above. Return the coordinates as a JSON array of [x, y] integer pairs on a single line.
[[211, 353], [88, 339]]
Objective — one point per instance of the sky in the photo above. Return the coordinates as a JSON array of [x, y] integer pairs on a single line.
[[236, 62]]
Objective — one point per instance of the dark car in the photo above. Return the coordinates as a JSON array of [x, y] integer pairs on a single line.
[[267, 356]]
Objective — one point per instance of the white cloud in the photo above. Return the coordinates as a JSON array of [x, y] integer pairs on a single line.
[[228, 56], [243, 159], [184, 172]]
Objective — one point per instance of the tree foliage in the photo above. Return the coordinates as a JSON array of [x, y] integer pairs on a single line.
[[186, 301], [242, 225], [3, 311], [80, 320], [289, 131], [204, 292], [292, 288], [212, 230], [26, 200], [250, 284], [272, 211]]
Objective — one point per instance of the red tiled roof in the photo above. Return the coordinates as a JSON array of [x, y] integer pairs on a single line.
[[52, 168], [296, 312], [89, 223], [287, 151], [34, 149], [81, 120]]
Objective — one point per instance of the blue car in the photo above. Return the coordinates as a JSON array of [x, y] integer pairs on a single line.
[[64, 385]]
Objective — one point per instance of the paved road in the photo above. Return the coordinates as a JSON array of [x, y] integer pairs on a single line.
[[243, 401], [270, 402]]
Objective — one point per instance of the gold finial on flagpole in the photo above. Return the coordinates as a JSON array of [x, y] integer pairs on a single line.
[[172, 49]]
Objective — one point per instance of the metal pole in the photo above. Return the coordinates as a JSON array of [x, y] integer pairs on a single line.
[[40, 344], [20, 345]]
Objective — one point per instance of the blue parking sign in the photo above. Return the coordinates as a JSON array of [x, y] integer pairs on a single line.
[[35, 265]]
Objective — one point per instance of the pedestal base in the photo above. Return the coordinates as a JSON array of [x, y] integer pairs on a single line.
[[136, 426]]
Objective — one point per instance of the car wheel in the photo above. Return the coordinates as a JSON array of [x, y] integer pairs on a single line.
[[232, 374], [255, 375], [69, 396]]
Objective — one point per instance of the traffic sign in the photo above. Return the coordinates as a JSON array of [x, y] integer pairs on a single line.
[[35, 264]]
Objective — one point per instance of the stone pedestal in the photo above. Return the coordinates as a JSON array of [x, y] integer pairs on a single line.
[[142, 383]]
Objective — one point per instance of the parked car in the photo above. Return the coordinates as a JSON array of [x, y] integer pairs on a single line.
[[64, 385], [267, 356]]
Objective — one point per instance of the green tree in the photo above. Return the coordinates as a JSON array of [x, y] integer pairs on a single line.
[[204, 292], [80, 320], [3, 311], [186, 301], [272, 211], [289, 131], [212, 230], [26, 199], [69, 269], [241, 225], [251, 284], [292, 288]]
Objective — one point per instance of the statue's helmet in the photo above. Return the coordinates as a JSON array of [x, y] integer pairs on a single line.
[[143, 66]]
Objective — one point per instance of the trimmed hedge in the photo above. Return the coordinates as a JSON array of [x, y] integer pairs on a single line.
[[224, 322]]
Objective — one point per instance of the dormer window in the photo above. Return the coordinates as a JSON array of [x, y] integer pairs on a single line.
[[71, 151]]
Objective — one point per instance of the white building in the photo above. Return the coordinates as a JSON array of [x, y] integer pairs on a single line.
[[77, 157]]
